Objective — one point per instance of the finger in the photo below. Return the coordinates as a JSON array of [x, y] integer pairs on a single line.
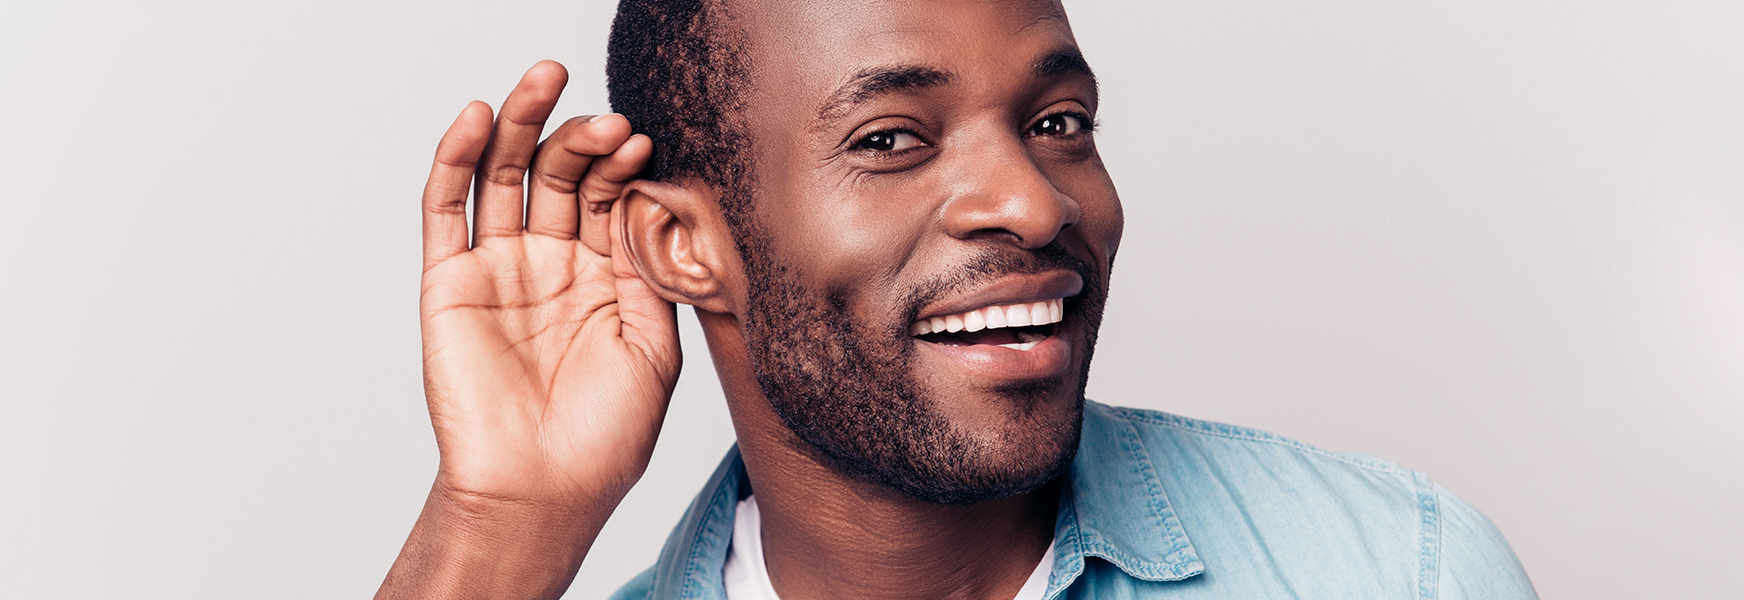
[[604, 183], [445, 192], [552, 201], [512, 142]]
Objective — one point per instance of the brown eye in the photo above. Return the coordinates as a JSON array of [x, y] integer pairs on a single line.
[[889, 141], [1059, 125]]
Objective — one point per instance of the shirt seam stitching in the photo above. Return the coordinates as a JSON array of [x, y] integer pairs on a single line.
[[1429, 562], [691, 561], [1156, 496], [1075, 538], [1286, 443]]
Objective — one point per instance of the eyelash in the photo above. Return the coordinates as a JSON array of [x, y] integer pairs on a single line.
[[1085, 125], [865, 142]]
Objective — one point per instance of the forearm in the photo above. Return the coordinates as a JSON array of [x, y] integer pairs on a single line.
[[475, 547]]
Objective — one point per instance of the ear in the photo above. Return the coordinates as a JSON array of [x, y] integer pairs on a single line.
[[679, 242]]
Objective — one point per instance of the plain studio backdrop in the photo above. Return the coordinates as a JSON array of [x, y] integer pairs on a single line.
[[1500, 242]]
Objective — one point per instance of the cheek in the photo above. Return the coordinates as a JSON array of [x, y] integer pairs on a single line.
[[1110, 224], [1102, 220], [859, 236]]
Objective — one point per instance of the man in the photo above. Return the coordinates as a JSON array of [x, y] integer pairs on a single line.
[[893, 223]]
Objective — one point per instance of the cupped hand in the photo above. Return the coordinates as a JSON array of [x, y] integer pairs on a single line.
[[548, 363]]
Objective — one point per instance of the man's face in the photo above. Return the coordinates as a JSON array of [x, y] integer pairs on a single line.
[[922, 163]]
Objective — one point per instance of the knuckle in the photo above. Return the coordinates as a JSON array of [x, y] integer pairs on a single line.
[[595, 191], [555, 183], [505, 174], [446, 208], [452, 163]]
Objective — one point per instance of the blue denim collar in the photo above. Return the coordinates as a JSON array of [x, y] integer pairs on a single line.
[[1114, 508], [690, 564]]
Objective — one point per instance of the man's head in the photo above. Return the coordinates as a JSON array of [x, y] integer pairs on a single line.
[[883, 167]]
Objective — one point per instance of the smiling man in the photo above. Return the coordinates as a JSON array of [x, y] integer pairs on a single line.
[[897, 233]]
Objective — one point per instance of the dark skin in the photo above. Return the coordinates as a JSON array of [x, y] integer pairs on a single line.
[[551, 348]]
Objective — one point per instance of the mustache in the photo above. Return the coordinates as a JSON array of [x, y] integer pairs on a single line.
[[996, 262]]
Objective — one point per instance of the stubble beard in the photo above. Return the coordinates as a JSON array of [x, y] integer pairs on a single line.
[[848, 391]]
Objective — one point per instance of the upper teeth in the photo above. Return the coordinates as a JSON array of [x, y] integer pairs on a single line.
[[994, 317]]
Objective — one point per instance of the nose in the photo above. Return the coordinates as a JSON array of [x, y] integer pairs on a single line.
[[1002, 194]]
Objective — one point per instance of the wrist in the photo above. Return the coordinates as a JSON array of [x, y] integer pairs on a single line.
[[470, 545], [492, 519]]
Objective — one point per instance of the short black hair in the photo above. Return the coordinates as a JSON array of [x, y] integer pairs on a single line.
[[677, 70]]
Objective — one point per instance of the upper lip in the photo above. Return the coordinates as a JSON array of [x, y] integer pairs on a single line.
[[1011, 289]]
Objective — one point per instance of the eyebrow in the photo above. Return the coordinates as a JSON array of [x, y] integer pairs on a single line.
[[1064, 61], [878, 81]]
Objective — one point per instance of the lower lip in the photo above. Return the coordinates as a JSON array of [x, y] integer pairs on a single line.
[[1049, 357]]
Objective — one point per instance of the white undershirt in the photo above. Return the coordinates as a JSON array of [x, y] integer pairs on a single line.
[[747, 576]]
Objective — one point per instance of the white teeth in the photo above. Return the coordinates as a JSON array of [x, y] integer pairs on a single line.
[[972, 321], [994, 317], [1025, 341]]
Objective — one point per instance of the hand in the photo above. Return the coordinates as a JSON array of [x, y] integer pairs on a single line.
[[548, 363]]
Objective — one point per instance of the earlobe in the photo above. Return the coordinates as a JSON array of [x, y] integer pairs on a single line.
[[674, 234]]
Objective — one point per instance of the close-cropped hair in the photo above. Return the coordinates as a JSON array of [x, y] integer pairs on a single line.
[[677, 70]]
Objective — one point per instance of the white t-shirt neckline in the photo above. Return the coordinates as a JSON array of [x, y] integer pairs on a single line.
[[746, 575]]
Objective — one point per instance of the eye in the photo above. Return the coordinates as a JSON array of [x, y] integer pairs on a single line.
[[1060, 124], [890, 140]]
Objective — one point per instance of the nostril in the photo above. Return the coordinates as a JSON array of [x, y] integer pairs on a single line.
[[990, 233]]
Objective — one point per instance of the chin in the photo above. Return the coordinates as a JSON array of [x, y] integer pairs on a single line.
[[1016, 456]]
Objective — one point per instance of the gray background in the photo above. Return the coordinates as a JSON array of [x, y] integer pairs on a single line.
[[1498, 242]]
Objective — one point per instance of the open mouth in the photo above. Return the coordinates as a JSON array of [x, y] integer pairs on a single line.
[[1014, 326]]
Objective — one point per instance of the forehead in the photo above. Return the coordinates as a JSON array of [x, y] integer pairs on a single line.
[[802, 49]]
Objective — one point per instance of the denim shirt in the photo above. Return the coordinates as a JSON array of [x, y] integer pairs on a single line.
[[1160, 506]]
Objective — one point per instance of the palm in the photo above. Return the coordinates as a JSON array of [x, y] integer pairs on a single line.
[[548, 363], [532, 322]]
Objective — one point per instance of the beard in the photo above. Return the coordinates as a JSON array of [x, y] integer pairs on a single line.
[[847, 387]]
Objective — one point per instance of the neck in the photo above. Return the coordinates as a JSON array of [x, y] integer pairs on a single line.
[[829, 535], [828, 538]]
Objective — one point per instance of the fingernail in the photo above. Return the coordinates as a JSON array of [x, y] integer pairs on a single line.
[[590, 118]]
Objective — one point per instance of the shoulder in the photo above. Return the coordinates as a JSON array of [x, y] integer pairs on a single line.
[[640, 587], [1256, 501], [1256, 444], [1208, 467], [1204, 459], [1474, 560]]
